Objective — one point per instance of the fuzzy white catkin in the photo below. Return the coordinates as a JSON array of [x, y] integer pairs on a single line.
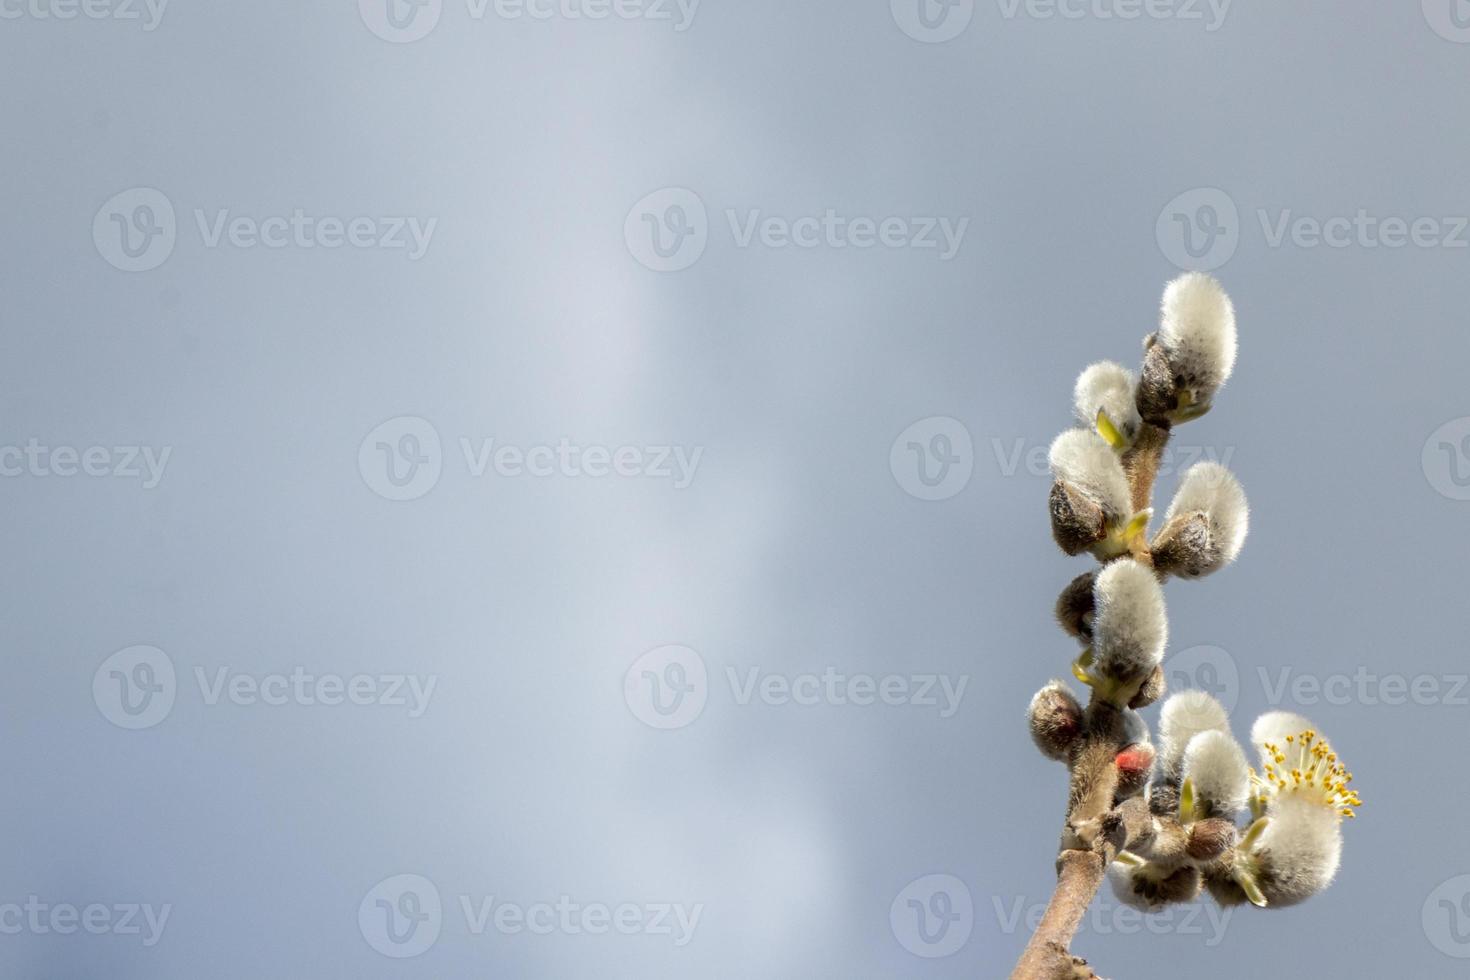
[[1109, 386], [1215, 763], [1273, 727], [1212, 490], [1130, 627], [1082, 458], [1298, 853], [1197, 328], [1183, 716]]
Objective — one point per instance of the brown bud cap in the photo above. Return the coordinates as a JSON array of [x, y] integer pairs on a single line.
[[1208, 839], [1076, 522], [1075, 606], [1185, 547], [1157, 390], [1153, 688], [1055, 720]]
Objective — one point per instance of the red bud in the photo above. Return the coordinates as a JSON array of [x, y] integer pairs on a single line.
[[1135, 763]]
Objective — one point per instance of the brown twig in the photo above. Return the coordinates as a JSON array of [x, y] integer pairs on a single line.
[[1141, 462], [1094, 830], [1080, 871]]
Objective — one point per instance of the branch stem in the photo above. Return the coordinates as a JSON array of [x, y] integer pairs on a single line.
[[1079, 874], [1094, 830]]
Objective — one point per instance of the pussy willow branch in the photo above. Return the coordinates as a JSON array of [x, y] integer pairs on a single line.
[[1094, 831]]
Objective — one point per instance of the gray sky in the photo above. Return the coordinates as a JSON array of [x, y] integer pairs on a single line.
[[476, 449]]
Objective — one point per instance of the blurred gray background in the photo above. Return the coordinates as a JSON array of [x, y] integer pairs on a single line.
[[1090, 151]]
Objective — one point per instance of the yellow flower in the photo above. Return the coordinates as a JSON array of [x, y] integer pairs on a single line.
[[1303, 766]]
